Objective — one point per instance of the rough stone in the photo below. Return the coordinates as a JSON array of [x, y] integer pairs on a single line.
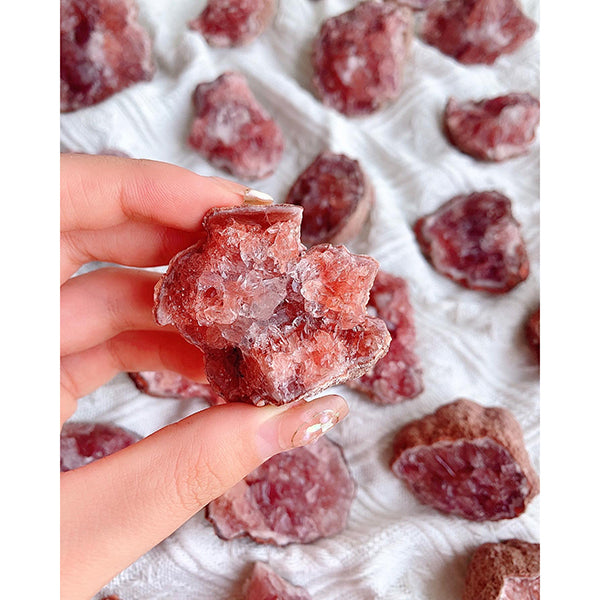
[[168, 384], [265, 584], [532, 333]]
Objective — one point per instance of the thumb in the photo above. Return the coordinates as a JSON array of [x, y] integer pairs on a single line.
[[117, 508]]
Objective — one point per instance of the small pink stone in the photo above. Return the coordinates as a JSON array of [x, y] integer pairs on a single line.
[[167, 384], [264, 583]]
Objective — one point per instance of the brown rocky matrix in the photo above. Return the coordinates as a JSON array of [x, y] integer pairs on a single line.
[[264, 583], [276, 322], [168, 384], [398, 375], [232, 130], [532, 333], [226, 23], [336, 196], [103, 49], [476, 31], [474, 240], [297, 496], [358, 57], [467, 460], [508, 570]]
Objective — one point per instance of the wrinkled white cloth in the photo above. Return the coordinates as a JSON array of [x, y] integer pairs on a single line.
[[471, 343]]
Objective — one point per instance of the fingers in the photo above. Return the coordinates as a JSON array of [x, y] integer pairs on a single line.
[[82, 372], [148, 490]]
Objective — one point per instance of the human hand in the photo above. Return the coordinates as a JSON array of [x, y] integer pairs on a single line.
[[141, 213]]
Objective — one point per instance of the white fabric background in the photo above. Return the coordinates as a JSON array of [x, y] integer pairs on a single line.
[[471, 343]]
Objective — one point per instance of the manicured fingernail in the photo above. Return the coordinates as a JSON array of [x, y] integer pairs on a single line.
[[256, 198], [315, 427]]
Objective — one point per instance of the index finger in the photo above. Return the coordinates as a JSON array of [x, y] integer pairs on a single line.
[[103, 191]]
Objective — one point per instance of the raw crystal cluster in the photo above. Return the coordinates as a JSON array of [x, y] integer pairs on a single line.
[[103, 49], [493, 129], [336, 196], [476, 31], [277, 322], [168, 384], [227, 23], [475, 240], [358, 57], [532, 333], [298, 496], [467, 460], [508, 570], [232, 130], [265, 584], [398, 375], [81, 442]]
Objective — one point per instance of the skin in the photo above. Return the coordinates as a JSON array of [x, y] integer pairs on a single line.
[[140, 213]]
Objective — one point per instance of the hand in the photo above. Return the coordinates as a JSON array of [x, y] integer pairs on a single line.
[[141, 213]]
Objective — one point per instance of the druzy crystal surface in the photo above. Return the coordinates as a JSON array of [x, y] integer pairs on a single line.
[[103, 49], [276, 322], [358, 57], [264, 584]]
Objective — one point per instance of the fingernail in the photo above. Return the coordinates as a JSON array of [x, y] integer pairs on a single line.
[[256, 198], [314, 428]]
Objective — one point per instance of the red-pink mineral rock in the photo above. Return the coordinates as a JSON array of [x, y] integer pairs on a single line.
[[476, 31], [232, 130], [103, 49], [227, 23], [508, 570], [475, 240], [398, 375], [336, 196], [358, 57], [467, 460], [493, 129], [167, 384], [298, 496], [532, 333], [265, 584], [276, 322], [81, 443]]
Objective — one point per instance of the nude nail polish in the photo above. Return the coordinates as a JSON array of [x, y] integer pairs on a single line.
[[315, 427], [256, 198]]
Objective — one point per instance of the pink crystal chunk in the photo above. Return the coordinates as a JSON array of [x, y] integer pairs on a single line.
[[476, 31], [358, 57], [508, 570], [475, 240], [532, 333], [227, 23], [168, 384], [103, 49], [264, 584], [276, 322], [398, 375], [494, 129], [81, 443], [467, 460], [298, 496], [232, 130], [336, 196]]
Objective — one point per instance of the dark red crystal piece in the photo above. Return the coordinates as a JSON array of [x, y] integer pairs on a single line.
[[81, 443], [358, 57], [475, 240], [103, 49], [398, 375], [232, 130], [227, 23], [494, 129], [476, 31], [167, 384], [298, 496], [532, 333], [264, 583], [467, 460], [276, 322], [336, 196]]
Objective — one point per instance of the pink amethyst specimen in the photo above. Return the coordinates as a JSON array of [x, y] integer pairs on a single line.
[[232, 130], [265, 584], [227, 23], [475, 240], [298, 496], [398, 375], [467, 460], [81, 443], [358, 57], [103, 49], [532, 333], [276, 322], [493, 129], [336, 196], [168, 384], [508, 570], [476, 31]]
